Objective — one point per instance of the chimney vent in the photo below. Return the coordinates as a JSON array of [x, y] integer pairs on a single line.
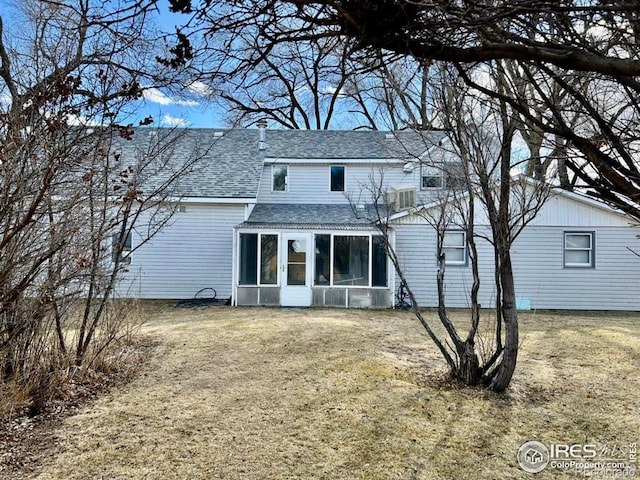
[[262, 128]]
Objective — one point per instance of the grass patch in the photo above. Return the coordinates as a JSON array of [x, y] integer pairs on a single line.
[[325, 394]]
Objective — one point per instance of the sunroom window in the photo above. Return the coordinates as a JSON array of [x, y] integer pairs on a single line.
[[350, 260], [378, 262], [322, 275], [268, 259], [258, 259]]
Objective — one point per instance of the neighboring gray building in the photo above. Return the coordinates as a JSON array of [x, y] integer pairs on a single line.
[[280, 217]]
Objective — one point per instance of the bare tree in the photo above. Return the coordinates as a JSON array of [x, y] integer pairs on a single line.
[[65, 185], [587, 52], [295, 85], [393, 92], [480, 132], [316, 84]]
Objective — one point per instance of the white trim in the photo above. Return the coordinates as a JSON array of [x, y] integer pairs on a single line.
[[229, 200], [184, 199], [248, 208], [334, 161]]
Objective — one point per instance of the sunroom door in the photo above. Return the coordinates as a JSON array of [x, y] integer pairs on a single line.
[[296, 269]]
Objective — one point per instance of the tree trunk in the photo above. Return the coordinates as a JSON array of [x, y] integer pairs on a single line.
[[504, 372], [469, 370]]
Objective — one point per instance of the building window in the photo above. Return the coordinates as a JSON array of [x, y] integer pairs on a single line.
[[431, 177], [322, 273], [454, 247], [378, 262], [248, 259], [268, 259], [337, 178], [258, 259], [579, 249], [280, 178], [350, 260], [447, 175], [122, 249]]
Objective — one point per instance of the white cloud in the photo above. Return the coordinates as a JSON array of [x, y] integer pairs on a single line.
[[200, 88], [330, 90], [171, 121], [155, 95], [80, 121]]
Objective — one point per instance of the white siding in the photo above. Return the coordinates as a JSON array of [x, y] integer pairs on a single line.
[[416, 247], [311, 183], [562, 210], [537, 256], [193, 252], [614, 283]]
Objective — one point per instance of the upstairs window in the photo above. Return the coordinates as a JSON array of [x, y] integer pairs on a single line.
[[431, 177], [337, 178], [280, 181], [579, 249], [447, 175], [123, 249]]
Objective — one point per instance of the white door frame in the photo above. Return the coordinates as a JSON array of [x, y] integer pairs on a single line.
[[295, 295]]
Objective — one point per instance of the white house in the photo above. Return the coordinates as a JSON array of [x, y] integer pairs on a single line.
[[278, 217]]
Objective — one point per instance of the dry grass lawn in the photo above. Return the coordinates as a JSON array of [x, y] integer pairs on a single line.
[[334, 394]]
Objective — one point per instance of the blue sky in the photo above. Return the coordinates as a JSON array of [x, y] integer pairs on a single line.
[[166, 109], [169, 110]]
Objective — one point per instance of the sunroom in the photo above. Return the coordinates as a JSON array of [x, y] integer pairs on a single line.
[[310, 255]]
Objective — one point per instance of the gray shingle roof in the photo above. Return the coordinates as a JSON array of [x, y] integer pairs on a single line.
[[229, 166], [307, 216]]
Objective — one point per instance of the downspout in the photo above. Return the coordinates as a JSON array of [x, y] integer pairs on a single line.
[[234, 269], [390, 270]]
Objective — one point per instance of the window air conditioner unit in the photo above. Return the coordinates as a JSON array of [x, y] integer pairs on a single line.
[[401, 199]]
